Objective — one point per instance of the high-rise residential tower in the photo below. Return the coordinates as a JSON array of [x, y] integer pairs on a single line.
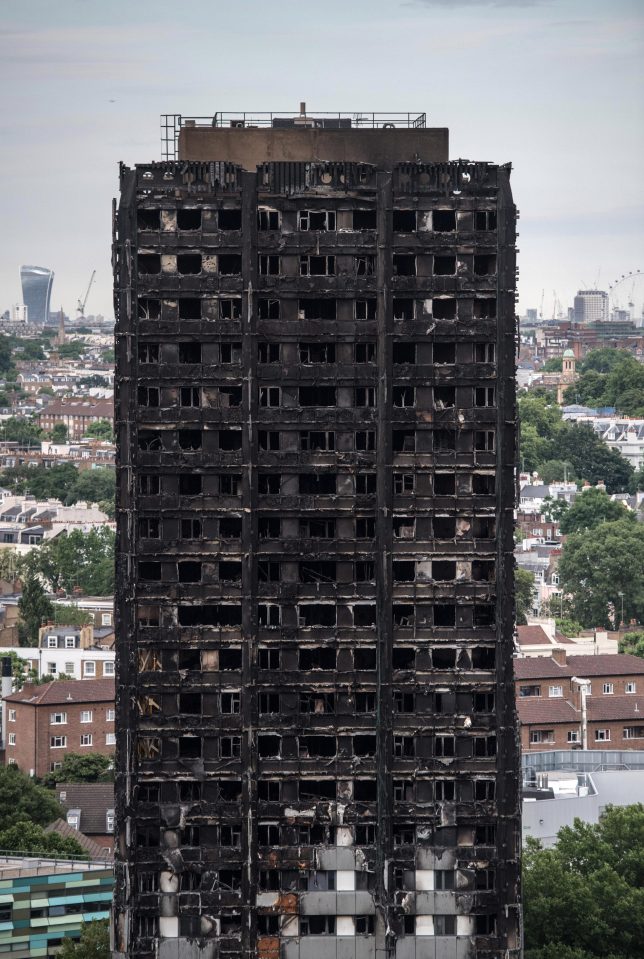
[[36, 293], [317, 748]]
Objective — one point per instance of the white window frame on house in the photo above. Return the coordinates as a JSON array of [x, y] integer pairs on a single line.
[[12, 739], [89, 668], [110, 739], [86, 739], [12, 762], [52, 669], [109, 820], [555, 692], [538, 736], [58, 742], [573, 736], [106, 619], [58, 719], [70, 669], [630, 732], [86, 716], [70, 642], [602, 735], [12, 715], [109, 668], [630, 687], [110, 715], [608, 689], [52, 642]]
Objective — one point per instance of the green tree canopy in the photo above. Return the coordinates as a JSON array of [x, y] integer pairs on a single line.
[[29, 837], [553, 365], [64, 481], [599, 564], [587, 893], [591, 507], [6, 359], [602, 360], [20, 429], [85, 560], [524, 592], [591, 458], [21, 798], [59, 433], [94, 942], [100, 430], [34, 606], [632, 643], [85, 768], [556, 471]]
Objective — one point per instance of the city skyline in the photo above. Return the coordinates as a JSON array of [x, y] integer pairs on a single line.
[[82, 93]]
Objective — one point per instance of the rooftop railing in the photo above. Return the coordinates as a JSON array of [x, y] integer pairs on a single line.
[[172, 123]]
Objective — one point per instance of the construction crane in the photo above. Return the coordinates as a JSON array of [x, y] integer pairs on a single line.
[[80, 309]]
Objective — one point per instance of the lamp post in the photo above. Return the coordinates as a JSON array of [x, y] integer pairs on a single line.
[[621, 596]]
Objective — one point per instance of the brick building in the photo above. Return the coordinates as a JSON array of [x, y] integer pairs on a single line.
[[46, 722], [595, 702], [75, 414], [316, 430]]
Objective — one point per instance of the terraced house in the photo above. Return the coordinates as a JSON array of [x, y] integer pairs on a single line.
[[315, 413]]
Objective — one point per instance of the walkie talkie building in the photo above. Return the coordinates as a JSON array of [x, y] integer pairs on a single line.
[[36, 284], [317, 748]]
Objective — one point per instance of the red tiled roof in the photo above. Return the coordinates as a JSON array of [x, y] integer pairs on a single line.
[[605, 708], [606, 664], [66, 691], [536, 710], [63, 829], [533, 636]]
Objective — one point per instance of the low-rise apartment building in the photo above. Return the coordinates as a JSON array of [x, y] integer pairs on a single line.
[[75, 414], [43, 901], [46, 722], [592, 702]]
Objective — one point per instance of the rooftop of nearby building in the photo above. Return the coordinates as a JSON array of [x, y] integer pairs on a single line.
[[94, 800], [607, 664], [93, 849], [65, 691]]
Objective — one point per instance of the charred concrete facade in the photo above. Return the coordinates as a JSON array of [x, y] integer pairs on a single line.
[[318, 752]]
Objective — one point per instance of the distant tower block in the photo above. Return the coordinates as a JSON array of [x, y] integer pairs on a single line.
[[36, 293]]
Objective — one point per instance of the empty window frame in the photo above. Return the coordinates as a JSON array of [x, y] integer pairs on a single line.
[[364, 220], [268, 264], [317, 528], [404, 264], [230, 308], [268, 219], [317, 265], [229, 219], [365, 309], [268, 440], [365, 264], [321, 220], [311, 353], [268, 352], [317, 440], [317, 308], [404, 221], [268, 309], [364, 352]]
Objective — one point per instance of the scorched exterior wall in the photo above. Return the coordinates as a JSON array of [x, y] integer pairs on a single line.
[[318, 751]]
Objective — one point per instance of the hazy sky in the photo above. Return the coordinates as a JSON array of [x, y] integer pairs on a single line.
[[554, 86]]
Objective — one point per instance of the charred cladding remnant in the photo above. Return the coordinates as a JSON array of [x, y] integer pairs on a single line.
[[317, 752]]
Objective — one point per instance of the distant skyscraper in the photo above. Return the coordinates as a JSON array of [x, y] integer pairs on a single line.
[[36, 292], [591, 306]]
